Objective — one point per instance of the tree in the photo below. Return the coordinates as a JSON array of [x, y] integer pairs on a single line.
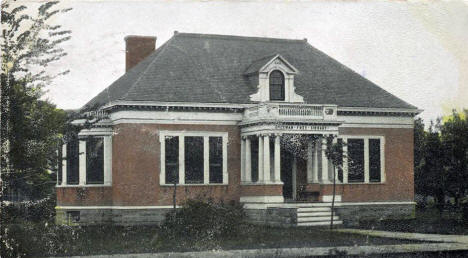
[[29, 126], [334, 153], [454, 137]]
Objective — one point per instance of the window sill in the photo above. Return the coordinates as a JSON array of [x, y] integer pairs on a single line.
[[354, 183], [262, 183], [75, 186], [213, 184]]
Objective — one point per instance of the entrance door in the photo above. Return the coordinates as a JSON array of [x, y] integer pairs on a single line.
[[286, 174]]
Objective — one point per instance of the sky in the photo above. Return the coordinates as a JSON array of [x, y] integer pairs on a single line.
[[416, 50]]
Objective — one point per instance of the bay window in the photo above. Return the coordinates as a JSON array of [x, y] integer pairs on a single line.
[[193, 158]]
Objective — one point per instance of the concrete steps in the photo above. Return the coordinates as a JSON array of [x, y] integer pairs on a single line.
[[315, 215]]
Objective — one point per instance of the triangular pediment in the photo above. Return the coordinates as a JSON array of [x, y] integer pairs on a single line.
[[270, 63], [278, 62]]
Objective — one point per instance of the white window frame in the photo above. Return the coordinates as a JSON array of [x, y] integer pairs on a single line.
[[206, 158], [366, 139], [106, 134]]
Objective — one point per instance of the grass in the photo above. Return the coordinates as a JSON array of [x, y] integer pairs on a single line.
[[93, 240], [427, 220]]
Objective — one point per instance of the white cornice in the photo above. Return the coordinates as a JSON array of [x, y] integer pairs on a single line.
[[383, 110]]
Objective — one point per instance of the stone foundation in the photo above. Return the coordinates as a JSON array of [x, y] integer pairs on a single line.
[[282, 217], [353, 214], [126, 217]]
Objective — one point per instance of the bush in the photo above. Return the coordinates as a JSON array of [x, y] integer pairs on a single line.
[[200, 225], [27, 239], [41, 210]]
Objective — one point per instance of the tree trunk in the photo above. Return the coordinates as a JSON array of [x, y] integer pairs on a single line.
[[333, 198]]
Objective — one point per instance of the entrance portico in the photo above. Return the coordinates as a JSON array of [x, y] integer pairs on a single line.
[[270, 132]]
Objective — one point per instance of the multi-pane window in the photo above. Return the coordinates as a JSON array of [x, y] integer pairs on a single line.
[[95, 160], [72, 161], [276, 85], [355, 160], [374, 160], [172, 159], [364, 159], [86, 161], [216, 159], [193, 158]]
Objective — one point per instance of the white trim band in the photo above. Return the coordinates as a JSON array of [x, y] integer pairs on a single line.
[[262, 199]]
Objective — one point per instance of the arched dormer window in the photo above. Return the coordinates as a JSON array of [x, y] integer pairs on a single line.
[[276, 85]]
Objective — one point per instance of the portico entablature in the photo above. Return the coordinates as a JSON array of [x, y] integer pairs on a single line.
[[276, 127]]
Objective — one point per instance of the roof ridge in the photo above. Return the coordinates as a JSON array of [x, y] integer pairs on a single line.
[[251, 38], [161, 49]]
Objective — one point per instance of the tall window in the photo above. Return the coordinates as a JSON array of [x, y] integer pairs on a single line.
[[356, 160], [95, 160], [216, 159], [193, 160], [276, 85], [172, 159], [374, 160], [72, 160]]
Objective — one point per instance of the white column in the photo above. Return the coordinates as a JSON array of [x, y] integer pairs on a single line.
[[181, 160], [82, 162], [107, 160], [248, 160], [266, 158], [64, 164], [242, 155], [277, 158], [366, 160], [260, 158], [324, 161], [206, 160], [309, 161], [345, 160], [315, 165]]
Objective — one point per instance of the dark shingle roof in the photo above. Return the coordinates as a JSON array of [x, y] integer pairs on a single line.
[[204, 68]]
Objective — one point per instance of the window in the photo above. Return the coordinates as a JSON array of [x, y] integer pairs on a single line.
[[365, 159], [172, 159], [276, 85], [87, 160], [72, 161], [216, 159], [193, 157], [355, 160], [374, 160], [95, 160], [194, 160]]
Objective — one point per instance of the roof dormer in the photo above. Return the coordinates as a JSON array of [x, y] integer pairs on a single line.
[[275, 80]]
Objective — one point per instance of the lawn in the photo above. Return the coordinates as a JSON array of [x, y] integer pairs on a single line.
[[427, 220], [66, 241]]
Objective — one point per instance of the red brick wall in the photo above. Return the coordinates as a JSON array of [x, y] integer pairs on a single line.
[[136, 158], [399, 169], [87, 196]]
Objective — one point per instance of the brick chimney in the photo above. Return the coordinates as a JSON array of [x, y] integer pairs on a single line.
[[137, 48]]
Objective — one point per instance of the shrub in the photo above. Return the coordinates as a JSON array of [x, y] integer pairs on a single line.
[[40, 210], [201, 225], [28, 239]]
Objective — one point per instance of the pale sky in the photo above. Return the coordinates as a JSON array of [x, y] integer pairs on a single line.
[[416, 50]]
